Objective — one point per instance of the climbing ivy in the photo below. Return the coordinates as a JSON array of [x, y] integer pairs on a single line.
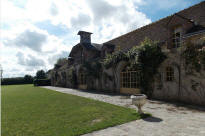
[[146, 57], [149, 58], [92, 68], [114, 58], [194, 56], [72, 76]]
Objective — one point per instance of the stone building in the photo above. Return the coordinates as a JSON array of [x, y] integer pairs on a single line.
[[173, 81]]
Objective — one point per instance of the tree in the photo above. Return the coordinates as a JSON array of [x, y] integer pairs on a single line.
[[40, 74], [28, 79], [61, 61]]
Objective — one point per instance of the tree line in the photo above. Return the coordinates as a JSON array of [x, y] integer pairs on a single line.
[[27, 79]]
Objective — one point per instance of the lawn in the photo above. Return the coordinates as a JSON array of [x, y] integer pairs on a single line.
[[34, 111]]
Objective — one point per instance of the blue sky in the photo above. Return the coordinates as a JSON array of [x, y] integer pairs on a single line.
[[157, 9], [35, 33]]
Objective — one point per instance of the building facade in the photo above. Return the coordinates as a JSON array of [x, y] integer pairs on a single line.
[[173, 82]]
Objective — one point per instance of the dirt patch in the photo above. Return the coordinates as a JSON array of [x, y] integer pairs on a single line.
[[171, 109], [95, 121]]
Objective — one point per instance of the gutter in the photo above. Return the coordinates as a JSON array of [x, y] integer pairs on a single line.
[[193, 34]]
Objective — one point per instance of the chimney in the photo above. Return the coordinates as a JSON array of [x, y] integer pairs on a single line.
[[85, 37]]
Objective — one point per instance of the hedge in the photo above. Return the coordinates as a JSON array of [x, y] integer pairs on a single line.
[[42, 82], [14, 81]]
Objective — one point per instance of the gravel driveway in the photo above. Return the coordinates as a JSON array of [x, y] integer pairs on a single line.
[[168, 119]]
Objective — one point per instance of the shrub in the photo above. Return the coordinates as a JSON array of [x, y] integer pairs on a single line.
[[27, 79], [42, 82]]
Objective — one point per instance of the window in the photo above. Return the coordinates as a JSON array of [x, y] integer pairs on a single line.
[[170, 74], [176, 37], [129, 78], [82, 79]]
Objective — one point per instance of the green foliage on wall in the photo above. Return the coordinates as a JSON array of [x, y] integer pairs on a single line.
[[114, 58], [194, 57], [60, 62], [147, 58], [93, 68], [72, 77]]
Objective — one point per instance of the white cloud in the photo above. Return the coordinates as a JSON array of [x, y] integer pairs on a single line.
[[80, 21], [29, 61], [29, 39], [53, 9], [30, 51], [106, 19]]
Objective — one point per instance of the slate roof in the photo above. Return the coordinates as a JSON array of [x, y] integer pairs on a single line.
[[94, 46], [97, 46]]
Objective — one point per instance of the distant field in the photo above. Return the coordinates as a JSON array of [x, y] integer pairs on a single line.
[[34, 111]]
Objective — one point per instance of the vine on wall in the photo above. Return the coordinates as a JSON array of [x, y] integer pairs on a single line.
[[72, 76], [114, 58], [194, 56], [147, 57], [93, 68]]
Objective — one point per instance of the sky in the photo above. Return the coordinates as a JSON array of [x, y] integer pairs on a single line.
[[35, 33]]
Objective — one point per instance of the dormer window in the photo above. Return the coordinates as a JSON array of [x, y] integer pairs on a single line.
[[177, 37]]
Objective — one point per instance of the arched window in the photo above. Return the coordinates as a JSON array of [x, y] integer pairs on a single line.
[[129, 78], [169, 73]]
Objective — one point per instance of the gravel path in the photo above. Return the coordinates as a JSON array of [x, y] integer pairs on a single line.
[[167, 120]]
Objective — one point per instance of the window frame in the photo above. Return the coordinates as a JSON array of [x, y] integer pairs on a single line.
[[176, 37], [129, 79], [169, 74]]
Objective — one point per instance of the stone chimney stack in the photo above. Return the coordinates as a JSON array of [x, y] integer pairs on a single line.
[[85, 37]]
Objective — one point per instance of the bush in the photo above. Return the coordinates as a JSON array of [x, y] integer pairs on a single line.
[[27, 79], [42, 82]]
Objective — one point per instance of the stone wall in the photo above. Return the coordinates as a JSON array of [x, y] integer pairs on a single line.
[[185, 87], [188, 87]]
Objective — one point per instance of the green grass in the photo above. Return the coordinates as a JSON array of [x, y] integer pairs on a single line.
[[34, 111]]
